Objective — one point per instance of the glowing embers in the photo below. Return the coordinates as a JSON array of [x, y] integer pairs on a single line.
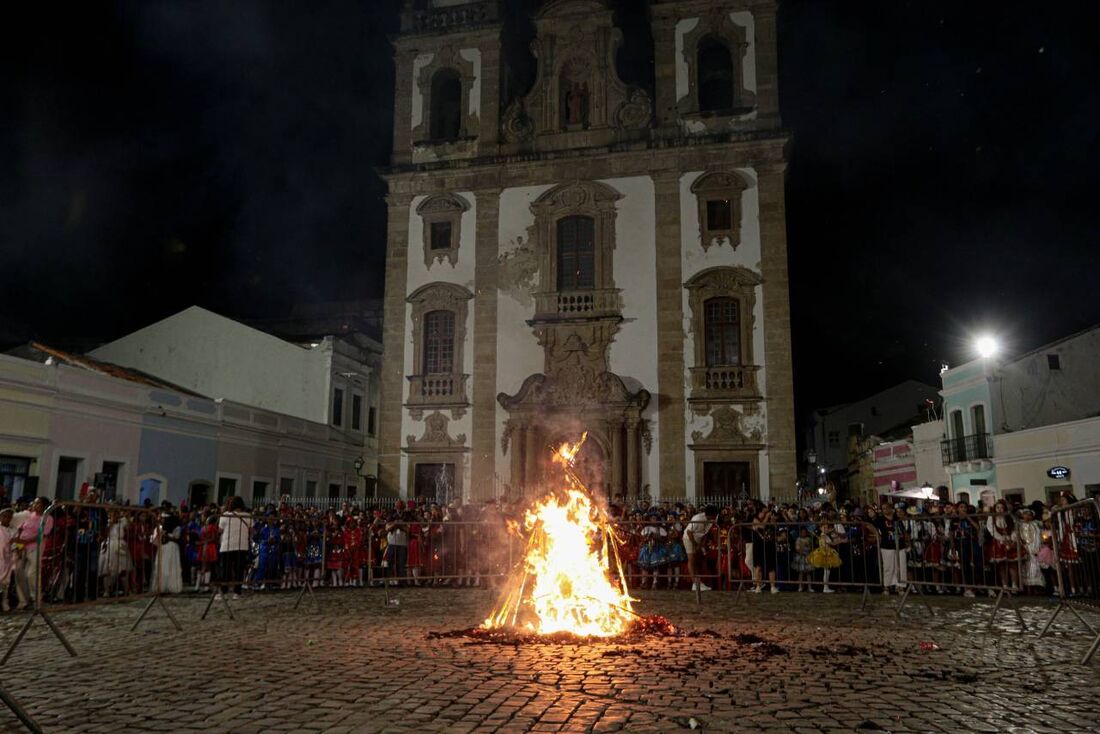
[[564, 584]]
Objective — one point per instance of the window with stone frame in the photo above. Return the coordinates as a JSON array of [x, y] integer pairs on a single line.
[[718, 194], [576, 253], [714, 52], [722, 331], [439, 342], [714, 69], [443, 118], [722, 301], [574, 238], [441, 218], [440, 233], [445, 124], [439, 315]]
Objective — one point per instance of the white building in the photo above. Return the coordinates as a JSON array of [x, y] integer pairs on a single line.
[[829, 429], [216, 356], [587, 255], [1023, 427], [66, 420]]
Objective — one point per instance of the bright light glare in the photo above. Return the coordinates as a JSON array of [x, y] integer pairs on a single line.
[[986, 346]]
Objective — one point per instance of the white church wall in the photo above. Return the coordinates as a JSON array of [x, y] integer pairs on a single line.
[[473, 55], [519, 354], [418, 275], [633, 354], [694, 260], [419, 63]]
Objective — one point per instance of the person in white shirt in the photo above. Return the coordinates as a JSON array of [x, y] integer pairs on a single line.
[[234, 539], [696, 530]]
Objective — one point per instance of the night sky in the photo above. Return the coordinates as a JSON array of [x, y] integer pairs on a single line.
[[155, 155]]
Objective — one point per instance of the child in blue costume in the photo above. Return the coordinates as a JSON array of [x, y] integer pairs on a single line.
[[267, 552], [653, 555]]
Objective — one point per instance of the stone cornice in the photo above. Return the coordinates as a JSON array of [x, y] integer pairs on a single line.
[[677, 9], [506, 171]]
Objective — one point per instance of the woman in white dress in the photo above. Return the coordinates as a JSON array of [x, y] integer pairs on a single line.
[[167, 541], [115, 563], [1031, 537]]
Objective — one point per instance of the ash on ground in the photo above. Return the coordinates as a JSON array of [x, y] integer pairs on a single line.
[[642, 628]]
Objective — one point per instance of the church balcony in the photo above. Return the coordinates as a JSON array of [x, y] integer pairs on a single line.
[[577, 304], [437, 390], [728, 381]]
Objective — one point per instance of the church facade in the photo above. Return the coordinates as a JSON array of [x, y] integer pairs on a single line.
[[587, 255]]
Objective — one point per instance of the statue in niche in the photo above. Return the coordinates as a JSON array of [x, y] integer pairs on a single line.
[[576, 103]]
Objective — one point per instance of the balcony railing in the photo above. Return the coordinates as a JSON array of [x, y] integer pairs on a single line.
[[725, 381], [437, 389], [567, 304], [967, 448]]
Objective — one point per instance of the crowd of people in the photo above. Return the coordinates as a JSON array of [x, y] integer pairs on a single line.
[[92, 550], [943, 547]]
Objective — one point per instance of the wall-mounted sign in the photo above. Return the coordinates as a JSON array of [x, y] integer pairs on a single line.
[[1058, 472]]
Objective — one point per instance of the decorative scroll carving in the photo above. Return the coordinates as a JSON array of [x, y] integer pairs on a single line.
[[733, 426], [636, 111], [436, 435], [515, 125]]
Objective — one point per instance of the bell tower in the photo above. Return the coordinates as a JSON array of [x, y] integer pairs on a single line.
[[448, 80], [715, 66]]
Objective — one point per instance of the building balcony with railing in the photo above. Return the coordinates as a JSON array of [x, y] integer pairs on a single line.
[[444, 389], [588, 303], [976, 447], [726, 381]]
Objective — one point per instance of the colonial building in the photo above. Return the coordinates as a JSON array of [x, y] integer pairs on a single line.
[[587, 254], [1025, 427]]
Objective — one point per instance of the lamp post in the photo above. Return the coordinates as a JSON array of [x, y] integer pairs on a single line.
[[928, 491], [358, 464], [811, 473]]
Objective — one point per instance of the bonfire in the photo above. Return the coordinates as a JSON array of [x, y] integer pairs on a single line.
[[570, 579]]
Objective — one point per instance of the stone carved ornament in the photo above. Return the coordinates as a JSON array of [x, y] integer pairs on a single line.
[[436, 435], [576, 44], [574, 389], [733, 427]]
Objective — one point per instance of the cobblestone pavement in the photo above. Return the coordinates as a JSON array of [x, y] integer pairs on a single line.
[[354, 665]]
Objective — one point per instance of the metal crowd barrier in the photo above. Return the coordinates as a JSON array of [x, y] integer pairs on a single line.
[[993, 554], [1075, 546], [826, 556], [654, 555], [85, 554], [410, 552], [258, 552]]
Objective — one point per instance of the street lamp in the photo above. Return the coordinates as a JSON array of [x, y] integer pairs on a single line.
[[986, 346], [358, 464]]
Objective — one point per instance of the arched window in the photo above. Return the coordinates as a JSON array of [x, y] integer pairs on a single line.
[[439, 342], [576, 253], [715, 70], [723, 332], [446, 117]]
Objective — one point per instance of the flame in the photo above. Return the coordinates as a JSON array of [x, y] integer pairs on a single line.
[[565, 583]]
